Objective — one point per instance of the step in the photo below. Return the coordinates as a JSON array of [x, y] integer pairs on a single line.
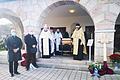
[[3, 57], [63, 63]]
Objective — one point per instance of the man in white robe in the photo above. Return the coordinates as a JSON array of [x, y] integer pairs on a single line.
[[45, 40], [58, 37]]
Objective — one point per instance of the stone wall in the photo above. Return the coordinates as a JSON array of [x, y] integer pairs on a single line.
[[103, 12]]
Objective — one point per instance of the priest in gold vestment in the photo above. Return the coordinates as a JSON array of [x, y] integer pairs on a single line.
[[79, 46]]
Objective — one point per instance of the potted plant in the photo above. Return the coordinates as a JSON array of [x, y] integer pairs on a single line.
[[115, 59]]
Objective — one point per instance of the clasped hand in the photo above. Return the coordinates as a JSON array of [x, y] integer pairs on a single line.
[[15, 50], [33, 46]]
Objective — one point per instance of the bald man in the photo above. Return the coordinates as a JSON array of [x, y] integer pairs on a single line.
[[45, 40]]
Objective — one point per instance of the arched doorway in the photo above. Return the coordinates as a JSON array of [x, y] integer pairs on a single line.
[[58, 15], [14, 19], [117, 35]]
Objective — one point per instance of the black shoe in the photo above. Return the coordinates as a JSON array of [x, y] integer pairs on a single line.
[[17, 73], [37, 66], [12, 75], [27, 69], [92, 75], [98, 76]]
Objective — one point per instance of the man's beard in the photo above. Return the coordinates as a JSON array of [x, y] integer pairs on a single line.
[[45, 30]]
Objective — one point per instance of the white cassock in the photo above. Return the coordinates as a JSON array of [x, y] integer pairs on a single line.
[[58, 37], [52, 42], [45, 42]]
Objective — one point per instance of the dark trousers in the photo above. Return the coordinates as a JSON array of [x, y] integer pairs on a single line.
[[13, 66], [31, 58], [79, 56], [34, 60]]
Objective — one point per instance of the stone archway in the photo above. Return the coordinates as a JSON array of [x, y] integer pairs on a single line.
[[51, 7], [100, 12], [104, 14], [8, 14]]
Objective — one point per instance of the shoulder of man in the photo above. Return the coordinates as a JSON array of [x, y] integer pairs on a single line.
[[27, 35], [9, 37], [18, 37]]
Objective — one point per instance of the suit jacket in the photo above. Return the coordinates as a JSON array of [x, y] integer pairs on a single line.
[[30, 40], [14, 42]]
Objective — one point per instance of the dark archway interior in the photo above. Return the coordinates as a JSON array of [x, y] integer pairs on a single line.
[[117, 35], [89, 34]]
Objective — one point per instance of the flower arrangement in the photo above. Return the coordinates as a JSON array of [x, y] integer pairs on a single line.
[[115, 58], [95, 65], [102, 68]]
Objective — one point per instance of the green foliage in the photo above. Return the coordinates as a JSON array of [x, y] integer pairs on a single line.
[[2, 45], [95, 65]]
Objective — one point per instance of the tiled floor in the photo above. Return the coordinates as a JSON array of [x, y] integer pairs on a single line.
[[51, 74], [55, 68]]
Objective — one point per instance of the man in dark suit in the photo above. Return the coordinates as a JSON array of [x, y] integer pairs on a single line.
[[31, 46], [14, 45]]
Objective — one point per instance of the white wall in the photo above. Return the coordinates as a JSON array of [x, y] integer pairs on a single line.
[[68, 21]]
